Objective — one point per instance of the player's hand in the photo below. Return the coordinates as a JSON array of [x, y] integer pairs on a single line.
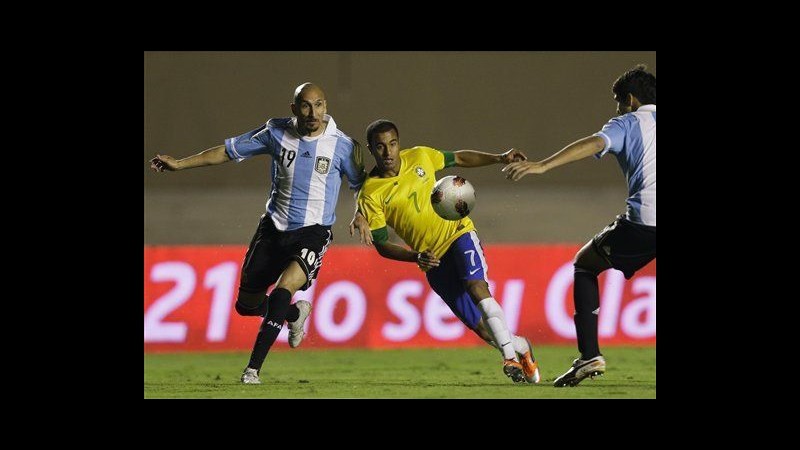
[[162, 163], [517, 170], [427, 261], [363, 228], [513, 155]]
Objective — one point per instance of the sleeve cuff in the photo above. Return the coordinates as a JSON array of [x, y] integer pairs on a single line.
[[449, 159], [606, 140], [380, 235], [230, 149]]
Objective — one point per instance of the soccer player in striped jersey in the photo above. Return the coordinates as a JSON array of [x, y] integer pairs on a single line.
[[397, 194], [628, 243], [309, 157]]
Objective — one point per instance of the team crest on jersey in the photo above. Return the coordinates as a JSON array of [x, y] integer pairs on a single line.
[[323, 164], [420, 172]]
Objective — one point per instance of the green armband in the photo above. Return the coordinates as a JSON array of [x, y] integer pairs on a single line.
[[380, 235], [449, 159]]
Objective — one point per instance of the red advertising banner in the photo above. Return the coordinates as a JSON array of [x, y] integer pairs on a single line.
[[363, 300]]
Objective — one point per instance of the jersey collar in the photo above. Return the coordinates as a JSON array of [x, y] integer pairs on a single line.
[[330, 130]]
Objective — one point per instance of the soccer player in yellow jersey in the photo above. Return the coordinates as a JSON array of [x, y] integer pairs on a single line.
[[397, 194]]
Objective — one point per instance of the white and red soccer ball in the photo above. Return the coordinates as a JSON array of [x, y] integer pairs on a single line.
[[453, 197]]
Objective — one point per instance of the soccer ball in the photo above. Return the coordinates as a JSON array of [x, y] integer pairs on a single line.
[[453, 198]]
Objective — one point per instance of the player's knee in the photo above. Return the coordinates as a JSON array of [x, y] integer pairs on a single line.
[[585, 269], [588, 260], [478, 290], [250, 304], [244, 310]]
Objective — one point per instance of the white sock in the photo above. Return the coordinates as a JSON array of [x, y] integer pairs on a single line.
[[520, 344], [496, 321]]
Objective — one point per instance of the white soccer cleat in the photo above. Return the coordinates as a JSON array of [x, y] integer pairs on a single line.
[[250, 376], [514, 370], [296, 329], [581, 370], [530, 366]]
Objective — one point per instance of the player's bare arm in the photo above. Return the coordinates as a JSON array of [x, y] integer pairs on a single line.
[[425, 260], [209, 157], [474, 158], [578, 150]]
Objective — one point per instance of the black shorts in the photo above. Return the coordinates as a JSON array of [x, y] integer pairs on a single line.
[[272, 250], [627, 246]]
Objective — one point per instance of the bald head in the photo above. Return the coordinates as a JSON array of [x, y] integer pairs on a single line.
[[309, 107], [309, 88]]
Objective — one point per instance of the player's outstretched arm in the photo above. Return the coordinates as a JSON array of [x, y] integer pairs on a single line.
[[579, 149], [209, 157], [474, 158], [425, 260]]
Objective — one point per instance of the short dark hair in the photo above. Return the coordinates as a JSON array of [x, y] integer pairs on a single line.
[[380, 126], [637, 82]]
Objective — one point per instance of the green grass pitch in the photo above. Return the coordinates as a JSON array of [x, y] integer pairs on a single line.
[[406, 373]]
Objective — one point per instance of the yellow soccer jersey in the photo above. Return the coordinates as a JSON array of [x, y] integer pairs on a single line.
[[403, 202]]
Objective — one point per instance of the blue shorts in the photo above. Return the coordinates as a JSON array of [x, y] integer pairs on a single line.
[[463, 261]]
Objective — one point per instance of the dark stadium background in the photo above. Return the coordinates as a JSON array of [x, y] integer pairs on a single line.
[[491, 101]]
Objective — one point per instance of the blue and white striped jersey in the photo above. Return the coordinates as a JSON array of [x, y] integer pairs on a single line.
[[631, 138], [306, 171]]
